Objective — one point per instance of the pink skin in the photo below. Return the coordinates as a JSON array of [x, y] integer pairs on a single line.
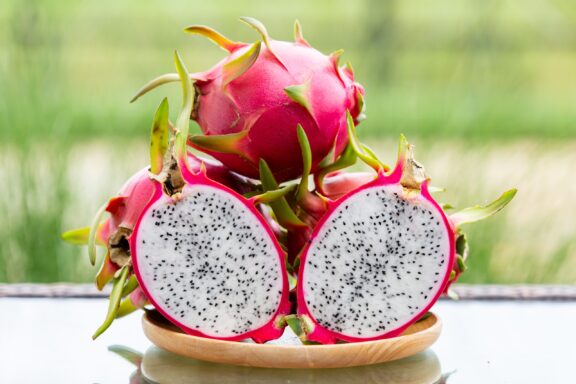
[[269, 331], [256, 101], [139, 298], [325, 336], [338, 184]]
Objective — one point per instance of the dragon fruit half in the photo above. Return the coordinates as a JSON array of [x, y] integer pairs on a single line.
[[249, 104], [380, 256]]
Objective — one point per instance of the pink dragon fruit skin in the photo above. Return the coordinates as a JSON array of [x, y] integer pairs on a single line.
[[257, 102], [249, 104]]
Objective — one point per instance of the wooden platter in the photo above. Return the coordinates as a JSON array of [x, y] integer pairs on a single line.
[[286, 353]]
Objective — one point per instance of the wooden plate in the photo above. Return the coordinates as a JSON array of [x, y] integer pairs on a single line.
[[286, 353]]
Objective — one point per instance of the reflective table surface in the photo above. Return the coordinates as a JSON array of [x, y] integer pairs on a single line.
[[48, 340]]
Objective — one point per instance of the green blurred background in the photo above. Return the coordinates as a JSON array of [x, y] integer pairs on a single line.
[[486, 90]]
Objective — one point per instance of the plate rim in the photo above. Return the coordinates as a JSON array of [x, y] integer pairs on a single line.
[[393, 348]]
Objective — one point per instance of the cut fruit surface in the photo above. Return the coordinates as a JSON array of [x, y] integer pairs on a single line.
[[378, 263], [208, 263]]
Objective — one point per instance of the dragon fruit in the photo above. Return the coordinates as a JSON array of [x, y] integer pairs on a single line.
[[380, 256], [204, 255], [249, 104], [124, 210], [365, 256], [209, 263]]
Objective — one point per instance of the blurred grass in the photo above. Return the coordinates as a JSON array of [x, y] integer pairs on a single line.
[[484, 88]]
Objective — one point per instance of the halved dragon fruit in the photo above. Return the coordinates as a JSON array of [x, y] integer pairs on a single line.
[[249, 104], [205, 256], [208, 262], [380, 256]]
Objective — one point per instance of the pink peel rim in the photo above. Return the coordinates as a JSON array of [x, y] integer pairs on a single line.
[[322, 334], [268, 331]]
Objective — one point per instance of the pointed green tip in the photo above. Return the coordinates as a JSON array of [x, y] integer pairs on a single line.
[[215, 36], [266, 177], [229, 143], [183, 121], [237, 67], [335, 59], [298, 36], [93, 232], [368, 157], [261, 29], [346, 159], [402, 146], [77, 236], [477, 213], [335, 56], [273, 195], [114, 301], [306, 162], [299, 93], [293, 322], [361, 106], [253, 22], [159, 137], [284, 213], [155, 83], [349, 69]]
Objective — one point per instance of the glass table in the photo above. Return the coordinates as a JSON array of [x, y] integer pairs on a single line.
[[483, 341]]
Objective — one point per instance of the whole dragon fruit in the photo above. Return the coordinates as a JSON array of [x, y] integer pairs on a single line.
[[249, 104]]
